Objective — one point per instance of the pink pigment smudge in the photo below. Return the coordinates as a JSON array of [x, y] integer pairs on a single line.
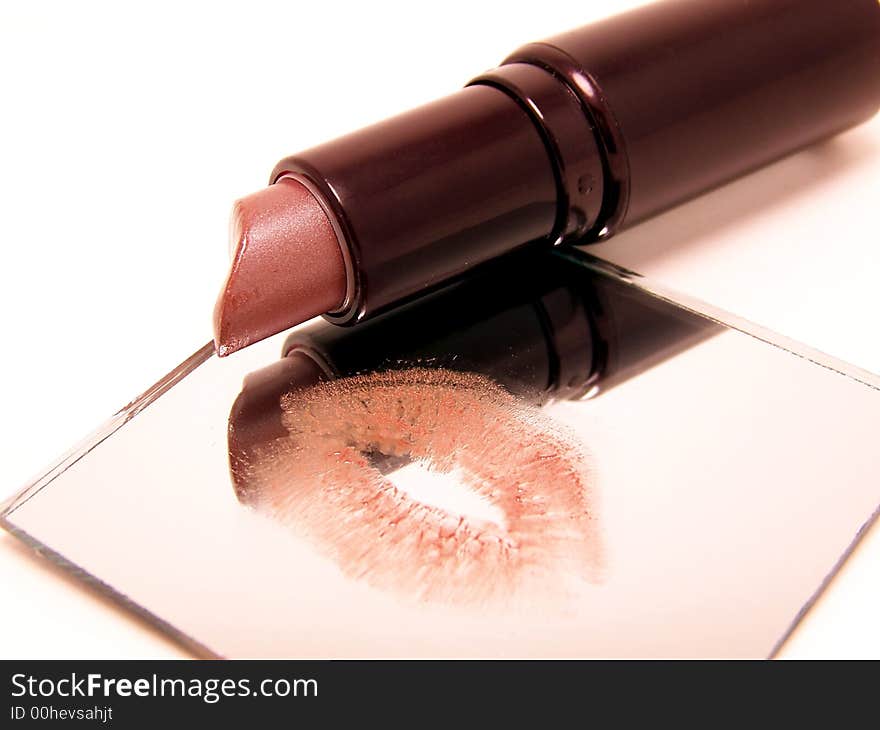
[[320, 481]]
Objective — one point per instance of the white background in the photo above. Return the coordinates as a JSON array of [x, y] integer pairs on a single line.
[[125, 135]]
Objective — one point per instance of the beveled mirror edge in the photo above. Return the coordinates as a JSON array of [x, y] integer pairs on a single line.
[[826, 583], [93, 584], [105, 430], [703, 309]]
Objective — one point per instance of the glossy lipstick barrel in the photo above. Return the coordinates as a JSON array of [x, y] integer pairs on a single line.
[[584, 134]]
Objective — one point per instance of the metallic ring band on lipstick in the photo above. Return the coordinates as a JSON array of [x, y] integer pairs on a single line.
[[573, 138]]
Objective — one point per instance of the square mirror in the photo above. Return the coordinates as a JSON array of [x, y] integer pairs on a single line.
[[553, 458]]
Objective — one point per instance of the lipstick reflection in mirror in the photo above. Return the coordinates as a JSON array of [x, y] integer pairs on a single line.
[[437, 485]]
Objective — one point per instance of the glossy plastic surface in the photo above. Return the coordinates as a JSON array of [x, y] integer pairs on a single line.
[[690, 94]]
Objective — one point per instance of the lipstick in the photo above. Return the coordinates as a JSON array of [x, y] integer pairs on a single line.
[[570, 140]]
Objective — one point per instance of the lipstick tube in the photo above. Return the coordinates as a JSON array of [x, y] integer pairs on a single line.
[[577, 137]]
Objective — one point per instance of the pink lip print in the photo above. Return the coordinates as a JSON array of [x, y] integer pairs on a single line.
[[323, 482]]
